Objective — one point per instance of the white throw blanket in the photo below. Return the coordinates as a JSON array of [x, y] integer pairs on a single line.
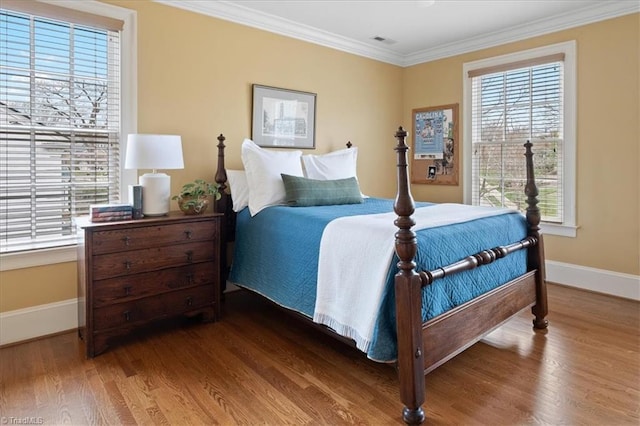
[[355, 256]]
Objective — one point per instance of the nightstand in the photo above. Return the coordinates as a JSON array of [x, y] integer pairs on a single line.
[[136, 272]]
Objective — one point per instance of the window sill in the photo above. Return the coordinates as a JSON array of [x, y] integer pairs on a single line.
[[42, 257], [559, 230]]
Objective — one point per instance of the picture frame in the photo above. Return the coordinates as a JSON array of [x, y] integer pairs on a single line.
[[283, 118], [435, 150]]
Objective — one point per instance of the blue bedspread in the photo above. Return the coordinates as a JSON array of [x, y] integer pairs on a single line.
[[276, 254]]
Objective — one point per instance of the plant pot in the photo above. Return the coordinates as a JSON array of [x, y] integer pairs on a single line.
[[191, 206]]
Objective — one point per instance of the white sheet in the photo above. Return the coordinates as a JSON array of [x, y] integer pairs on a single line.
[[355, 256]]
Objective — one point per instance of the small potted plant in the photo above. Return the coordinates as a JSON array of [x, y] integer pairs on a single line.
[[194, 196]]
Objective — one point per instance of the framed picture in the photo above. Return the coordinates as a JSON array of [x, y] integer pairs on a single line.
[[435, 145], [283, 118]]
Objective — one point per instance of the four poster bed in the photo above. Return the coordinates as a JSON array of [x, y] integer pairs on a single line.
[[447, 278]]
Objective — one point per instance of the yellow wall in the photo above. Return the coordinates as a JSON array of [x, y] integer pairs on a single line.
[[21, 288], [194, 79], [608, 137]]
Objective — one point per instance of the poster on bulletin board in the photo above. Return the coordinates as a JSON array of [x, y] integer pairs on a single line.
[[435, 145]]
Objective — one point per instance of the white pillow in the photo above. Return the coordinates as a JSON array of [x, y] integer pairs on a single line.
[[334, 165], [239, 187], [339, 164], [263, 168]]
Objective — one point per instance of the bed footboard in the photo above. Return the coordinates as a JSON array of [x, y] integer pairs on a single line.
[[423, 347], [454, 331]]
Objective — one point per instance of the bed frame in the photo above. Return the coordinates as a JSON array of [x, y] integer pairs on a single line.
[[424, 346]]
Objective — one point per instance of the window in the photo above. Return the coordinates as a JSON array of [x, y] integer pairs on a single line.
[[60, 119], [508, 101]]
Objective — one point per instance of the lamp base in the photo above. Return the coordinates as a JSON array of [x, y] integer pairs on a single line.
[[156, 193]]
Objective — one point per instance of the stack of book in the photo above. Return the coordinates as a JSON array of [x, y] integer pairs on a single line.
[[110, 212]]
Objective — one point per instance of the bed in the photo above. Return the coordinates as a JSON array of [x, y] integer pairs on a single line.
[[442, 276]]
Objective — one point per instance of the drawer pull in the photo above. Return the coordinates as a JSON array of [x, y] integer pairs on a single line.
[[190, 279], [127, 265], [189, 256], [189, 301], [127, 315], [127, 290], [188, 234], [126, 240]]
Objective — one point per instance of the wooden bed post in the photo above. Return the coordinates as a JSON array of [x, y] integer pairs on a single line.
[[535, 256], [408, 288], [223, 205], [221, 173]]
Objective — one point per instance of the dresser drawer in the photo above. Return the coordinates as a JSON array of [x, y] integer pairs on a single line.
[[106, 292], [137, 261], [152, 308], [117, 240]]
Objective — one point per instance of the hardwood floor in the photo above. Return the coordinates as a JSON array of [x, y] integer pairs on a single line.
[[259, 366]]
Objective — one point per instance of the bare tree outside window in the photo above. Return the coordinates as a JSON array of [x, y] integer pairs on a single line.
[[511, 108]]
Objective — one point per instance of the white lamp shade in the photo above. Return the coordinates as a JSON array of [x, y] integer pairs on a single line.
[[154, 152]]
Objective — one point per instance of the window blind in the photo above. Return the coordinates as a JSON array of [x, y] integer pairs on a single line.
[[510, 105], [59, 126], [64, 14]]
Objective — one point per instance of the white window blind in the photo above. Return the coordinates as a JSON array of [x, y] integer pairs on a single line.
[[59, 126], [513, 103]]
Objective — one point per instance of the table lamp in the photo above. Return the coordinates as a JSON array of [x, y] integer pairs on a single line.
[[154, 152]]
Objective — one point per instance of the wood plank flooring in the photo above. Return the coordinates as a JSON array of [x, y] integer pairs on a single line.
[[260, 366]]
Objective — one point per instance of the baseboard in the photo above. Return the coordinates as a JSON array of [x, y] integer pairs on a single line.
[[592, 279], [43, 320], [38, 321]]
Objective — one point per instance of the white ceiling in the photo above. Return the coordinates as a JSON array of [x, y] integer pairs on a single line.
[[420, 30]]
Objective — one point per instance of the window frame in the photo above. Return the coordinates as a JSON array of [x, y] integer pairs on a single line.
[[128, 119], [569, 226]]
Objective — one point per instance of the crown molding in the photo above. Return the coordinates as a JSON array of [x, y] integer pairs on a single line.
[[599, 12], [256, 19], [250, 17]]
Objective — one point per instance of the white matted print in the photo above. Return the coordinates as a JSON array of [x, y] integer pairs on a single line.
[[283, 118]]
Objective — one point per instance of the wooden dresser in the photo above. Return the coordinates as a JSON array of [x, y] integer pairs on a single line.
[[135, 272]]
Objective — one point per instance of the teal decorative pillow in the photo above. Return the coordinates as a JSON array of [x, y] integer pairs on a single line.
[[302, 192]]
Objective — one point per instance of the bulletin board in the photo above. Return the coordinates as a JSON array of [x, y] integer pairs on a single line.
[[435, 149]]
